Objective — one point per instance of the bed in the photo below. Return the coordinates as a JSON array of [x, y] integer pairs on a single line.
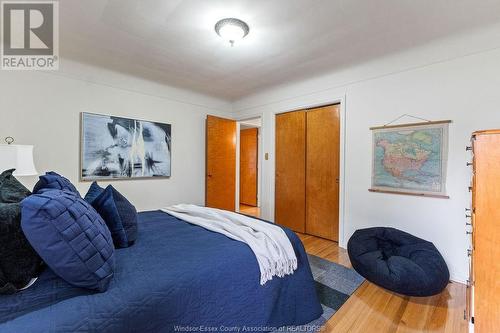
[[177, 277]]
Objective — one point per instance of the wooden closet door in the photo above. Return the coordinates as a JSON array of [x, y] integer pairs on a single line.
[[290, 170], [323, 172], [220, 177], [249, 147]]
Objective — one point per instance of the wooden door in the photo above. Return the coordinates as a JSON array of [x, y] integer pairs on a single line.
[[249, 143], [291, 170], [486, 232], [220, 163], [323, 172]]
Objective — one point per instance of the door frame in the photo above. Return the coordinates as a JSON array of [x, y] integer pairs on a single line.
[[268, 137], [259, 160]]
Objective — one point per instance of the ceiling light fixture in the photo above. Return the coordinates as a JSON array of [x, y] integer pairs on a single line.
[[232, 29]]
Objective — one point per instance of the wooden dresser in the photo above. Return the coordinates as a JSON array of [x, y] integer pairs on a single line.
[[483, 292]]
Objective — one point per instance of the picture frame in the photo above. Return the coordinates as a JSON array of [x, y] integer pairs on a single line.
[[410, 159], [120, 148]]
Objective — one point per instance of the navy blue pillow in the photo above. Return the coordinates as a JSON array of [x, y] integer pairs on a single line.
[[120, 216], [54, 181], [94, 191], [70, 236]]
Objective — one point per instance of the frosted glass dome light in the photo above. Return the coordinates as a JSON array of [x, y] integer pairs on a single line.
[[232, 29]]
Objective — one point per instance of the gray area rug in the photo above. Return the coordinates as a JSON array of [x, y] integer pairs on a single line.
[[334, 285]]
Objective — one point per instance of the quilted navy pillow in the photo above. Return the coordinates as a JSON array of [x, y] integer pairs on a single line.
[[71, 238], [120, 216], [94, 191], [54, 181]]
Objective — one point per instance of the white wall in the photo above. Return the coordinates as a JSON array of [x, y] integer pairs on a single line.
[[464, 89], [44, 109]]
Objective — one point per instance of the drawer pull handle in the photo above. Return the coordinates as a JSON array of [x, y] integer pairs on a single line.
[[468, 148], [469, 163], [468, 232]]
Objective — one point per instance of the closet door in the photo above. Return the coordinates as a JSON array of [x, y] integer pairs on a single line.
[[323, 172], [290, 170]]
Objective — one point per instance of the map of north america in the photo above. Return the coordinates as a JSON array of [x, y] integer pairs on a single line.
[[408, 159]]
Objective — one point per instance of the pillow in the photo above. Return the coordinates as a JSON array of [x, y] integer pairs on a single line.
[[93, 192], [11, 190], [19, 263], [53, 180], [71, 238], [120, 216]]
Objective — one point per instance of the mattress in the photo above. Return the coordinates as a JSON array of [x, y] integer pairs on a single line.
[[176, 278]]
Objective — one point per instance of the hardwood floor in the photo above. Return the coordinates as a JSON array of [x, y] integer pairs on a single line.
[[374, 309], [250, 210]]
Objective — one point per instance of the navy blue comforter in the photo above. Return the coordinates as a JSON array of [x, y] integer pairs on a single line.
[[177, 277]]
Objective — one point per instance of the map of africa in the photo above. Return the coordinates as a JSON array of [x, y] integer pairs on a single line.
[[409, 159]]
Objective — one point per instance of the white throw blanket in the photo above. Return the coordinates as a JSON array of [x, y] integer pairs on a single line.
[[269, 243]]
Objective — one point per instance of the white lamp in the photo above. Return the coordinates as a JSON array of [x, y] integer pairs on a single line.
[[19, 157]]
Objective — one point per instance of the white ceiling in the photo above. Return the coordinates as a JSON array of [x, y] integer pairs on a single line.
[[173, 41]]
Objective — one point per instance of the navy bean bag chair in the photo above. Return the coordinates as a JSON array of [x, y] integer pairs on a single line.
[[398, 261]]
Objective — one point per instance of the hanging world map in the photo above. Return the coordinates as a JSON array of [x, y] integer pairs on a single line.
[[410, 159]]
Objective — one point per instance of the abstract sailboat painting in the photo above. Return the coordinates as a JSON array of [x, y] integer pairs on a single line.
[[123, 148]]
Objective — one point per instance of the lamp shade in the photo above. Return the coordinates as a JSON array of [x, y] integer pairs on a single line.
[[19, 157]]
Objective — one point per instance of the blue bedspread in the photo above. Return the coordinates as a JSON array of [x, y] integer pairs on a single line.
[[177, 277]]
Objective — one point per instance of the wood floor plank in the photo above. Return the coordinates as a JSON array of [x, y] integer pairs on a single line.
[[250, 210], [374, 309]]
